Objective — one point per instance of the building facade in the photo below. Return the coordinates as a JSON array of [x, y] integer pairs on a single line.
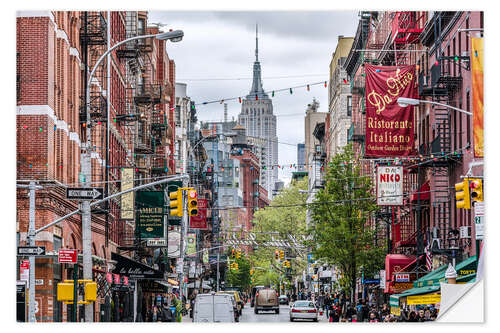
[[260, 122]]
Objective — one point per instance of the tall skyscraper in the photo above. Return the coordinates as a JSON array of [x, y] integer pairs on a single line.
[[258, 119]]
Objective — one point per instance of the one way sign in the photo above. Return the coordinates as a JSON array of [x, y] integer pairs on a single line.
[[80, 193], [31, 250]]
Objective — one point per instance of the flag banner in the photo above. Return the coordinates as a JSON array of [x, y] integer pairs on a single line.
[[191, 245], [389, 127], [127, 199], [477, 96]]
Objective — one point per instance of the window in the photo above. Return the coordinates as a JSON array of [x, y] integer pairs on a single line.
[[349, 106]]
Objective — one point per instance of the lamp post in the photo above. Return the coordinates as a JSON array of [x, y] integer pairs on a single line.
[[86, 164], [404, 102]]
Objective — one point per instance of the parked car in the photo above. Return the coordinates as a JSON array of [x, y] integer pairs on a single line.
[[303, 310], [236, 295], [266, 299], [213, 308], [283, 299], [252, 296]]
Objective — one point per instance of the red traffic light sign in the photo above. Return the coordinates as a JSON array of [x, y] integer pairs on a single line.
[[192, 194]]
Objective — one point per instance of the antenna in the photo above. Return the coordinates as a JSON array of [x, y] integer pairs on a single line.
[[256, 43]]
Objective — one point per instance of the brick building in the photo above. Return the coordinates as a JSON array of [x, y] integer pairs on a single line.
[[439, 45], [53, 49]]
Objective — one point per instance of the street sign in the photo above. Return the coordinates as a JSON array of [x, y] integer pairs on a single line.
[[156, 243], [31, 250], [478, 220], [67, 256], [402, 277], [81, 193]]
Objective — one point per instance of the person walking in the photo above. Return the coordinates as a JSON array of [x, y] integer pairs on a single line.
[[327, 305]]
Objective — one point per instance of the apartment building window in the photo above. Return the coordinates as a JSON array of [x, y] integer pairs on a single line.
[[349, 106], [467, 35], [454, 54]]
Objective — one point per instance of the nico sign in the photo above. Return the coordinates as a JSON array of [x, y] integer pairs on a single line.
[[389, 185], [389, 127]]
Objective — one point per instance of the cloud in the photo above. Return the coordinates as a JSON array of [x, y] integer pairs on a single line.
[[222, 45]]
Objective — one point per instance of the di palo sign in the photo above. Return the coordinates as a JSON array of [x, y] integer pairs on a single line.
[[389, 127]]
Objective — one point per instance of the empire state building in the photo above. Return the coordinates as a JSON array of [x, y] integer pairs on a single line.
[[258, 119]]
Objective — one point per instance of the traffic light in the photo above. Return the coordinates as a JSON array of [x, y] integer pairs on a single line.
[[282, 254], [251, 272], [65, 292], [476, 189], [462, 194], [176, 203], [233, 253], [236, 266], [276, 254], [192, 203], [238, 254]]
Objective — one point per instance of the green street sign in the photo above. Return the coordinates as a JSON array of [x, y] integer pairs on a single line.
[[150, 211]]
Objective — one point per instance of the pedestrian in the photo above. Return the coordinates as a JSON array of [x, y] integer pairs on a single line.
[[327, 304], [166, 314], [373, 317], [421, 316], [354, 319], [154, 315], [412, 317]]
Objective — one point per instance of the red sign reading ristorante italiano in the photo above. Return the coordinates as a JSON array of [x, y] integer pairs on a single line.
[[389, 127]]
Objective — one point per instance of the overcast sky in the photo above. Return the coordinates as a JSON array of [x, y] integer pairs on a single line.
[[221, 45]]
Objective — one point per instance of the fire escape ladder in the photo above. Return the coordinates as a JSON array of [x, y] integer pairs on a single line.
[[441, 204]]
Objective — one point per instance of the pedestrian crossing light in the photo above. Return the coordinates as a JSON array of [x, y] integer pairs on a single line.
[[462, 194], [176, 203], [192, 203], [282, 254], [476, 190], [90, 292], [276, 254], [233, 253]]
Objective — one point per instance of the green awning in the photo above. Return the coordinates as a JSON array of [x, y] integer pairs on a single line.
[[394, 299], [464, 269]]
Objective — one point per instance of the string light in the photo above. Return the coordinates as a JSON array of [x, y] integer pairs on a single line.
[[308, 88], [239, 99], [291, 92], [272, 95]]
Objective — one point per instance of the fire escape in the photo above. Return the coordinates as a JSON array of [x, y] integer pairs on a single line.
[[406, 29], [439, 83]]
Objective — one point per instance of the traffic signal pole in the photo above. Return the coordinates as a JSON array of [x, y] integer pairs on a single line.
[[184, 226]]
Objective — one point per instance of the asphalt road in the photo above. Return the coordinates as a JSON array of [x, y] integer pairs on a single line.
[[248, 316]]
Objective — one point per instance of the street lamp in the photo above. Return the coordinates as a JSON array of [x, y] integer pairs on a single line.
[[404, 102], [86, 164]]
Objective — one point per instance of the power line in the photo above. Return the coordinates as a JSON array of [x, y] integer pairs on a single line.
[[251, 78]]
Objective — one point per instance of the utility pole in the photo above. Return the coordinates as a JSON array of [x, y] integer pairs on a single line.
[[183, 231]]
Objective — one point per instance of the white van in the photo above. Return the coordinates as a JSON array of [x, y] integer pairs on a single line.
[[213, 308]]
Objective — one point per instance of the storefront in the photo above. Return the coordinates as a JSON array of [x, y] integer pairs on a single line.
[[426, 291], [146, 288]]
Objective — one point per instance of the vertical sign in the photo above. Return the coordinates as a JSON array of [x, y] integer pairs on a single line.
[[382, 279], [389, 127], [174, 241], [205, 256], [479, 219], [24, 270], [191, 244], [150, 212], [477, 95], [127, 200], [389, 186], [200, 221]]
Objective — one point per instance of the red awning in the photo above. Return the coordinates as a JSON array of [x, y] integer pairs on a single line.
[[425, 193], [394, 263]]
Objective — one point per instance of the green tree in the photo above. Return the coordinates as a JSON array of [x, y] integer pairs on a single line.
[[340, 232], [240, 278], [284, 217]]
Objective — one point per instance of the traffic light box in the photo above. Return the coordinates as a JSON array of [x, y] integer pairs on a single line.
[[238, 254], [276, 254], [462, 194], [176, 203], [192, 203], [282, 254], [476, 189], [233, 253]]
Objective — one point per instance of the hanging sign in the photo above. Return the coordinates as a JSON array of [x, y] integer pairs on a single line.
[[423, 299], [477, 95], [389, 127], [67, 256], [150, 212], [109, 277], [191, 244], [127, 199], [479, 219], [389, 185]]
